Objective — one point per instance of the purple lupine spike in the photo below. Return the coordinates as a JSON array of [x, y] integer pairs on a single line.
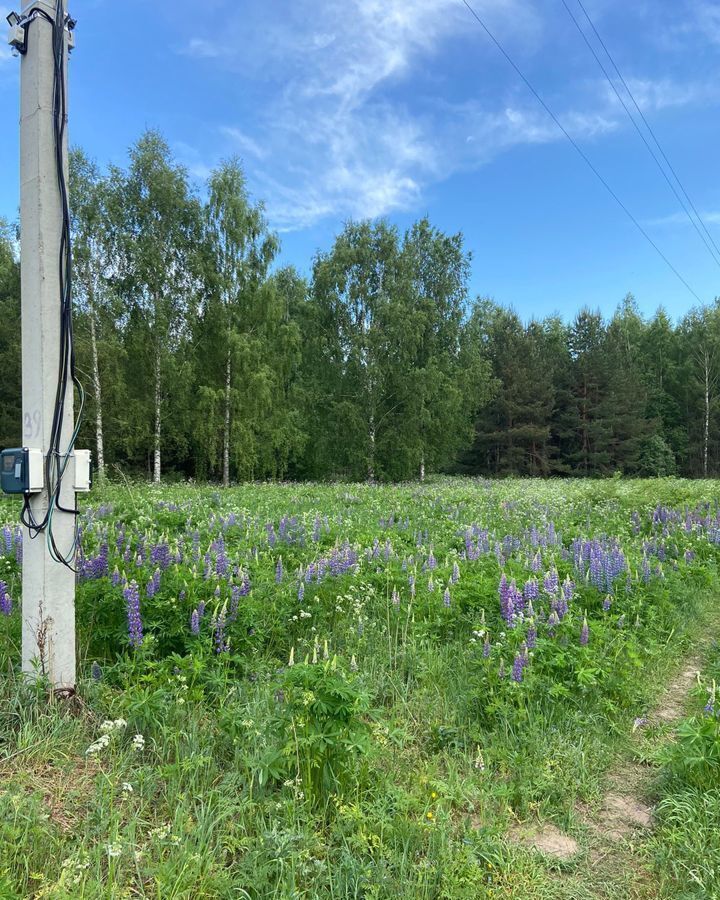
[[486, 646], [531, 638], [279, 570], [530, 590], [607, 603], [517, 669], [455, 577], [395, 598], [6, 603], [446, 598], [195, 622], [584, 633], [551, 581], [301, 591], [154, 583], [134, 619], [222, 644]]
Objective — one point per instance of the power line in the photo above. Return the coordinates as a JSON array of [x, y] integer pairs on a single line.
[[579, 150], [647, 125], [711, 246]]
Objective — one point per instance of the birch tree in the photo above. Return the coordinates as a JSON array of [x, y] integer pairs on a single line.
[[240, 249], [92, 265], [155, 229]]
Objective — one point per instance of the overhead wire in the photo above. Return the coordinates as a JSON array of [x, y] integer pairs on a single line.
[[579, 150], [709, 244], [649, 127]]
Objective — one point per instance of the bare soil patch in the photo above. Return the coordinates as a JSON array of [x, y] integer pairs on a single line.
[[546, 839]]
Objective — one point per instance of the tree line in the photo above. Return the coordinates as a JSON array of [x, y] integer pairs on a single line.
[[203, 358]]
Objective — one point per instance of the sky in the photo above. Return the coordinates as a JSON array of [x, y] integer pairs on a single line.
[[346, 109]]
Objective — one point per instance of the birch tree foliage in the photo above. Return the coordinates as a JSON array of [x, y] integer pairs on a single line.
[[236, 378], [155, 228]]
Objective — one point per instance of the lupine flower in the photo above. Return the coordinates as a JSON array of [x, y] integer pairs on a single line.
[[455, 577], [154, 583], [607, 602], [551, 581], [5, 600], [395, 598], [96, 671], [486, 647], [195, 622], [501, 670], [584, 632], [446, 598], [353, 664], [517, 669], [301, 591], [279, 570], [132, 604], [531, 638], [222, 645]]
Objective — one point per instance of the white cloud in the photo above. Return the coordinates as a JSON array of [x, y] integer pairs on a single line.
[[350, 123], [243, 142], [202, 49], [707, 16], [711, 217]]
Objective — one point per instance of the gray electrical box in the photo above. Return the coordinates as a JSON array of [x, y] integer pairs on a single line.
[[21, 471]]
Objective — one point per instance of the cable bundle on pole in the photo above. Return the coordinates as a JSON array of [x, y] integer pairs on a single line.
[[58, 457]]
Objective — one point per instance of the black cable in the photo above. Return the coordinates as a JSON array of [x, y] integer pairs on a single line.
[[580, 150], [57, 457], [639, 131], [649, 128]]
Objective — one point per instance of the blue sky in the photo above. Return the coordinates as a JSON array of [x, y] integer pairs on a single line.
[[400, 108]]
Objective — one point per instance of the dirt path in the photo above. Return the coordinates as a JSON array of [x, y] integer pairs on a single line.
[[612, 868]]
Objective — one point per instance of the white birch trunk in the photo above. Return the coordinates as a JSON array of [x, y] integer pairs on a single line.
[[99, 440], [226, 431], [158, 422], [422, 466], [371, 460]]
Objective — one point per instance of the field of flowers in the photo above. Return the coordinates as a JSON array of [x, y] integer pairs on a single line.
[[348, 690]]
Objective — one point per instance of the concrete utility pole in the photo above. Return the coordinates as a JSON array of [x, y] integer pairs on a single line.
[[48, 587]]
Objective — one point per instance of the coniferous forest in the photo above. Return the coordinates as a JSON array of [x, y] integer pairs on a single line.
[[203, 358]]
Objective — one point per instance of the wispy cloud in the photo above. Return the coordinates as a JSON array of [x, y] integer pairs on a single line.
[[711, 217], [352, 123], [199, 48], [243, 142], [707, 16]]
